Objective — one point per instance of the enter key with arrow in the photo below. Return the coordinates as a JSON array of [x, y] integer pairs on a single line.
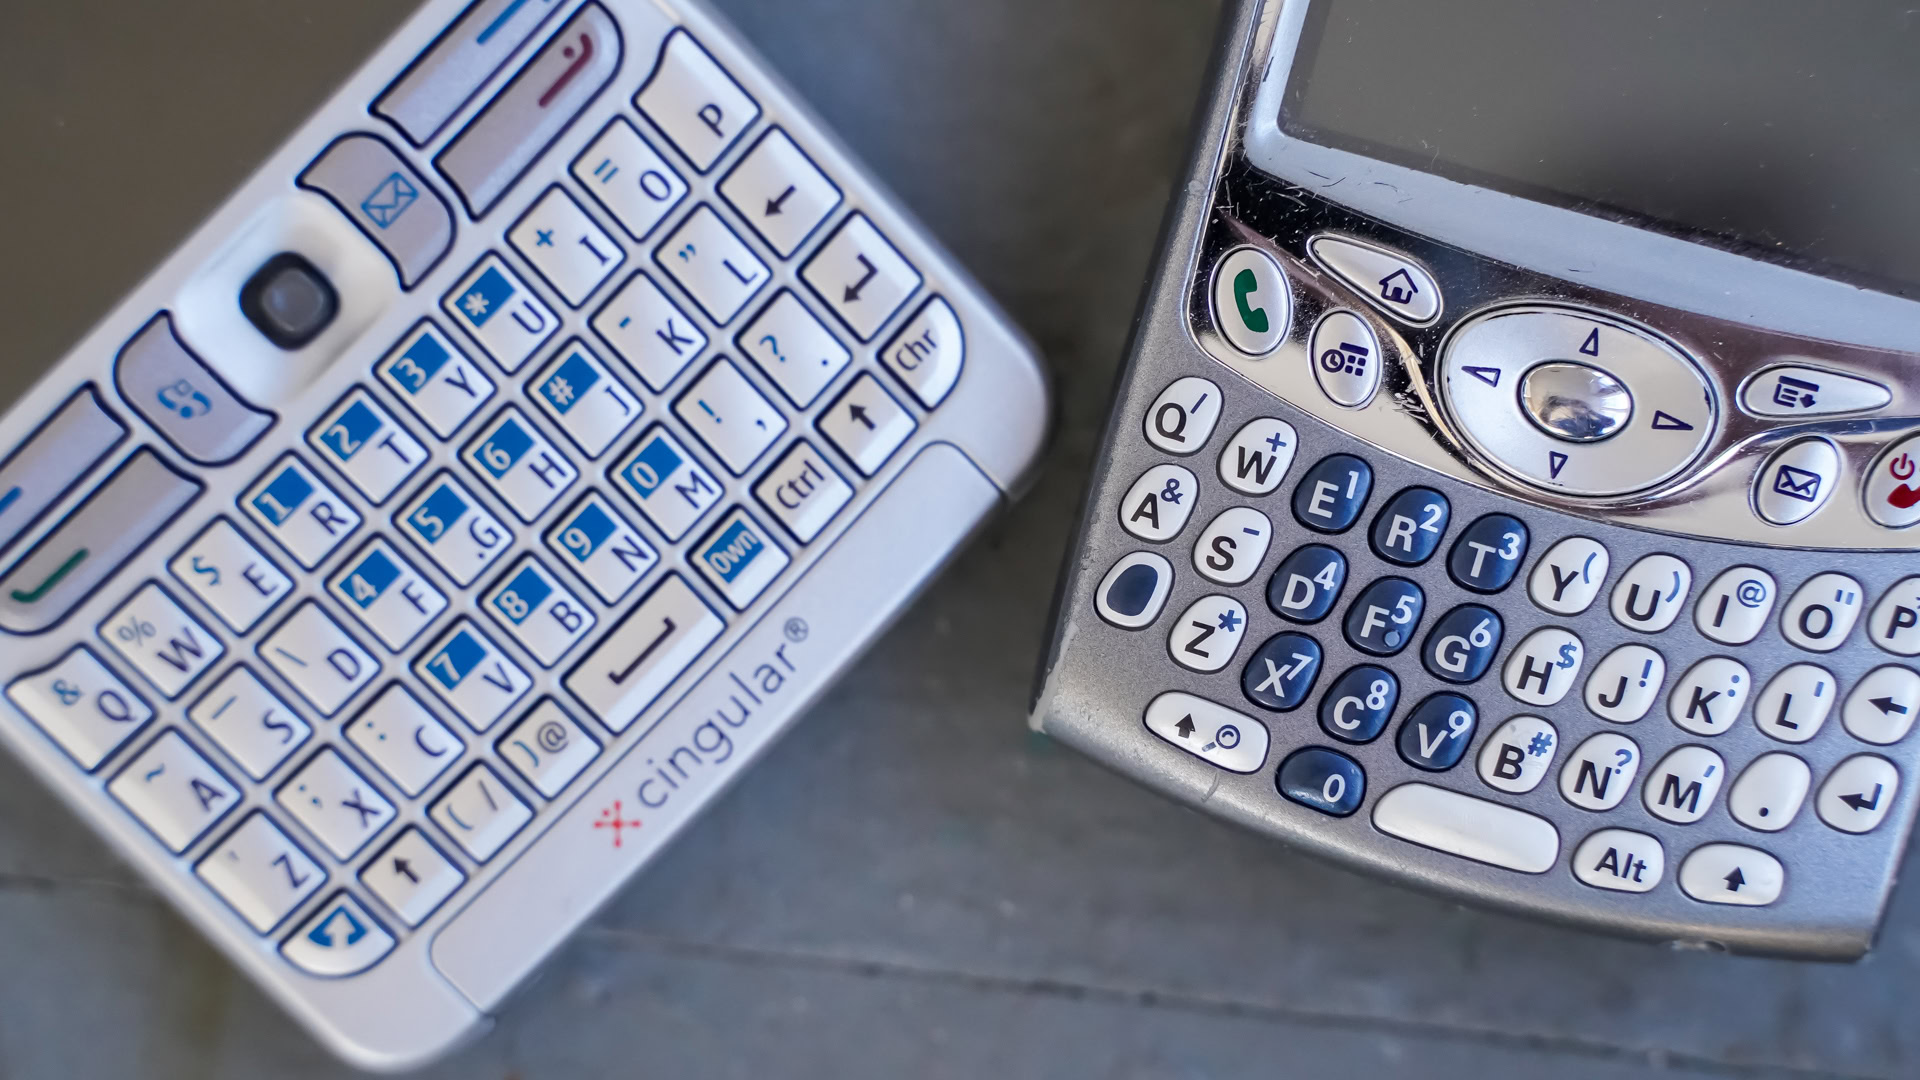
[[1859, 794]]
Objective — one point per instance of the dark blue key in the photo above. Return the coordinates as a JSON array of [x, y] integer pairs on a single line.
[[1461, 645], [1281, 672], [1435, 735], [1332, 494], [1358, 705], [1325, 780], [1381, 621], [1488, 554], [1306, 585], [1408, 529], [1133, 590]]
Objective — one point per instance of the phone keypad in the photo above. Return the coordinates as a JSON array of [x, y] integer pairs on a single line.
[[561, 424], [1601, 769]]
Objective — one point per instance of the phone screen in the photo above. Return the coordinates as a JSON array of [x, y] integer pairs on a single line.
[[1784, 129]]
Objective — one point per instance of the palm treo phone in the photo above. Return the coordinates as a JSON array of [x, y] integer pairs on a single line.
[[1511, 488], [492, 478]]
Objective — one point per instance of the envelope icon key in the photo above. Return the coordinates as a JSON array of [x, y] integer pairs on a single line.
[[389, 200], [1797, 484]]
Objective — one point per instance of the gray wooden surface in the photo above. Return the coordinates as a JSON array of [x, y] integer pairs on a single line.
[[911, 884]]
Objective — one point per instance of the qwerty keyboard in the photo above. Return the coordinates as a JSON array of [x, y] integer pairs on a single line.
[[511, 459]]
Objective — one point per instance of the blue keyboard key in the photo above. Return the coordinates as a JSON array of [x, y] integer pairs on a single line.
[[565, 387], [1435, 735], [1323, 780]]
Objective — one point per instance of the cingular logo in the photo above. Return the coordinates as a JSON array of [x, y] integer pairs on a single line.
[[725, 707]]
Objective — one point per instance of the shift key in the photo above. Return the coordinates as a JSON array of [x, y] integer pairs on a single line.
[[117, 520]]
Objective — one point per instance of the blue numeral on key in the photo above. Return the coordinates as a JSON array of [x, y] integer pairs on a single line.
[[523, 596], [437, 515], [460, 656], [370, 579], [651, 467], [420, 363], [504, 450], [588, 530], [347, 435], [284, 496]]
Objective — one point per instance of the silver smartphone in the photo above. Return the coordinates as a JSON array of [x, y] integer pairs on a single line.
[[1511, 485], [421, 547]]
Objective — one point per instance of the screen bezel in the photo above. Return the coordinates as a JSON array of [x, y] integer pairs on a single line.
[[1632, 259]]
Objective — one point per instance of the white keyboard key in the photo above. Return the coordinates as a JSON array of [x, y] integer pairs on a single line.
[[928, 353], [585, 400], [793, 349], [650, 332], [520, 465], [803, 491], [82, 706], [1205, 636], [367, 446], [1182, 417], [669, 486], [630, 179], [318, 659], [473, 676], [565, 246], [249, 722], [1600, 771], [781, 192], [340, 939], [1859, 794], [1256, 459], [335, 803], [388, 595], [429, 372], [859, 275], [866, 424], [1543, 667], [1882, 706], [454, 529], [716, 268], [1682, 787], [412, 877], [1213, 733], [1709, 697], [261, 873], [1156, 507], [596, 542], [1516, 757], [695, 102], [1625, 684], [730, 416], [548, 748], [480, 812], [1568, 577], [1768, 795], [1734, 608], [1620, 860], [1469, 827], [228, 574], [1821, 612], [500, 312], [163, 642], [1732, 874], [1232, 547], [1895, 625], [404, 741], [539, 612], [174, 791], [739, 558], [302, 514], [661, 638], [1795, 702], [1651, 594]]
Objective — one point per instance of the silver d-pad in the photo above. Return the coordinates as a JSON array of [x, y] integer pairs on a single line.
[[1573, 401]]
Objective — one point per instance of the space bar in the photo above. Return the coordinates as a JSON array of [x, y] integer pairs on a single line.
[[688, 756], [1468, 827]]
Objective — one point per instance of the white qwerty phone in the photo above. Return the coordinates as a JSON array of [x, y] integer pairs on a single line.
[[1511, 489], [491, 479]]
